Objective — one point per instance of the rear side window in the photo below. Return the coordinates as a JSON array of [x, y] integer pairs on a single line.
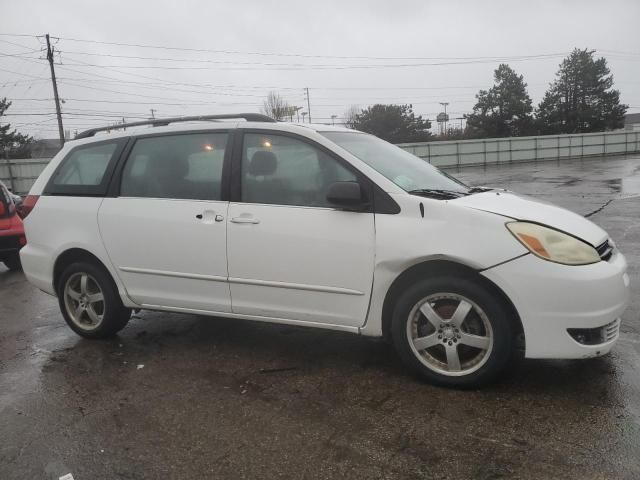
[[185, 166], [86, 170]]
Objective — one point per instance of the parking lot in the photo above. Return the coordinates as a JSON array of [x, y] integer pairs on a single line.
[[177, 396]]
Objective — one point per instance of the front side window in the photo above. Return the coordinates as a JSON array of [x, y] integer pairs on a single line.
[[281, 170], [185, 166], [404, 169], [85, 166]]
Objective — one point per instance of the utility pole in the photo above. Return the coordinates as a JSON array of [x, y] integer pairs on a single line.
[[308, 104], [55, 89], [445, 115]]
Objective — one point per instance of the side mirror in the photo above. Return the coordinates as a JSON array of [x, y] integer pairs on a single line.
[[3, 210], [347, 195]]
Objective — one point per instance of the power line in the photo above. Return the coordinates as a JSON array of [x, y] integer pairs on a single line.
[[313, 66], [147, 85], [161, 98], [66, 99], [20, 73], [238, 52], [22, 82], [199, 60], [19, 35], [276, 54], [73, 114], [412, 99], [14, 44], [18, 54], [253, 66]]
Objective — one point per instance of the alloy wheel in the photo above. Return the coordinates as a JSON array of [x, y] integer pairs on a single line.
[[450, 334], [84, 301]]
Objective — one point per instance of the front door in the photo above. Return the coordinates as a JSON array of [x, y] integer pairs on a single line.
[[291, 254], [166, 231]]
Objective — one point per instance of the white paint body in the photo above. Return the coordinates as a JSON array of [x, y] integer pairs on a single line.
[[323, 267]]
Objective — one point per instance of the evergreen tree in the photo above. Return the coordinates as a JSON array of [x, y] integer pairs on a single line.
[[393, 123], [17, 144], [504, 110], [581, 98]]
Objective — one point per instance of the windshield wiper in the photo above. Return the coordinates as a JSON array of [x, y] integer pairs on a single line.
[[480, 189], [436, 192]]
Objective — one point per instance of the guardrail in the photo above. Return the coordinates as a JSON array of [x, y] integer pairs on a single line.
[[524, 149]]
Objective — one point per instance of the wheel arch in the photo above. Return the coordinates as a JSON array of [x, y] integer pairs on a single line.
[[442, 267], [72, 255]]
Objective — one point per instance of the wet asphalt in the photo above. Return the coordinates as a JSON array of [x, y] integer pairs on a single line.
[[188, 397]]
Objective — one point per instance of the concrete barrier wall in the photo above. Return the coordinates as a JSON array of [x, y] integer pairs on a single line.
[[524, 149], [19, 174]]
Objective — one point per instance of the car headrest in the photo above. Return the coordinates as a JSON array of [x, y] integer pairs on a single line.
[[263, 162]]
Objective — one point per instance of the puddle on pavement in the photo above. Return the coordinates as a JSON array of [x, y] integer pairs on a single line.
[[630, 186], [615, 184]]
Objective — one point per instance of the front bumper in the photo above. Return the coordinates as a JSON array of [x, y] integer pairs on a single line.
[[552, 298]]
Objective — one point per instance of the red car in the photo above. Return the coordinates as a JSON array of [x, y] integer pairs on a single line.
[[12, 237]]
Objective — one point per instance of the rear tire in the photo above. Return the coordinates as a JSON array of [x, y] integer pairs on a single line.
[[452, 331], [89, 301], [12, 262]]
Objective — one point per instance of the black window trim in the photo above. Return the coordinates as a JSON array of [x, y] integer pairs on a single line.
[[379, 200], [116, 180], [99, 190]]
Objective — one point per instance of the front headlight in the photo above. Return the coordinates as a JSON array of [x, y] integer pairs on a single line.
[[553, 245]]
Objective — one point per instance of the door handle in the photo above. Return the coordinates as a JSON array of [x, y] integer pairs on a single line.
[[209, 216], [252, 220]]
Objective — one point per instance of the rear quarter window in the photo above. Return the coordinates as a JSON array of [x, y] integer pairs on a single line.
[[86, 169]]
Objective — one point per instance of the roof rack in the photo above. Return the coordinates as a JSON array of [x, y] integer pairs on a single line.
[[249, 117]]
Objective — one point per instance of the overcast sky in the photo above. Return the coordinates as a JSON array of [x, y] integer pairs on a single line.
[[226, 56]]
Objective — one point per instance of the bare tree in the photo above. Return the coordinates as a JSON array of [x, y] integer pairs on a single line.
[[350, 116], [276, 107]]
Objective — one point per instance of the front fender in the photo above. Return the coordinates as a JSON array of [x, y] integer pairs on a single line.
[[454, 233]]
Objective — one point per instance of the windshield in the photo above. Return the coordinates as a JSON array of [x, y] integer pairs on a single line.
[[407, 171]]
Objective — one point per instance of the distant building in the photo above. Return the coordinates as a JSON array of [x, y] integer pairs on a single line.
[[632, 122], [45, 148]]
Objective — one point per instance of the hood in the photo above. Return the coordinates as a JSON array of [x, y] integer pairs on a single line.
[[521, 207]]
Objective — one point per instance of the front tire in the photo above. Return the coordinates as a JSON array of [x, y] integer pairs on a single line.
[[89, 301], [452, 331]]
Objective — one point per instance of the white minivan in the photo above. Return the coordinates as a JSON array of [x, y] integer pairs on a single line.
[[240, 216]]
